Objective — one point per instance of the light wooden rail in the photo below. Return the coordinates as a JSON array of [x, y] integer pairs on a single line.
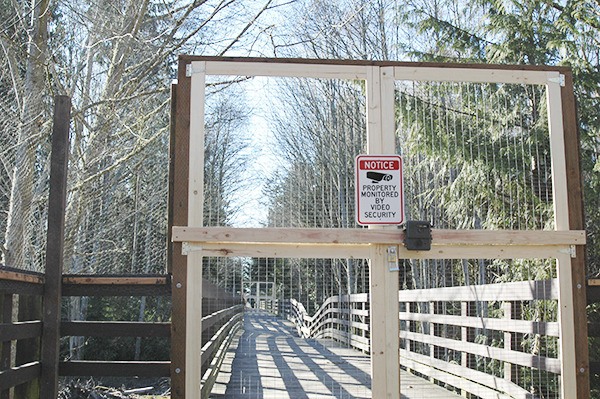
[[426, 332]]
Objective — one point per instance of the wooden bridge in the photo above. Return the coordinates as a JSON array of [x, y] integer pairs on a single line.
[[261, 354], [268, 360]]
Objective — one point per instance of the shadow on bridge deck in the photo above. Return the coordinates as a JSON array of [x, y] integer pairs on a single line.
[[268, 360]]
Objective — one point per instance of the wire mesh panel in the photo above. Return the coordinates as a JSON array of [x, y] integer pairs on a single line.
[[25, 155], [475, 156], [290, 164], [482, 326]]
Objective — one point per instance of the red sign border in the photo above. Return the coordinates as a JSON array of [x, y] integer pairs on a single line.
[[357, 186]]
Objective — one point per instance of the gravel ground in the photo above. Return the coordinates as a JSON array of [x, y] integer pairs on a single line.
[[91, 389]]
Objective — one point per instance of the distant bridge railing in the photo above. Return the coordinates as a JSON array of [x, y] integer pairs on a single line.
[[447, 338]]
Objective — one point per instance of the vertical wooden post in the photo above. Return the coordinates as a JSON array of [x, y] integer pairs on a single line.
[[28, 350], [409, 327], [57, 201], [464, 337], [432, 334], [6, 308], [576, 222], [195, 219], [508, 340], [178, 262], [562, 214], [384, 285], [171, 196]]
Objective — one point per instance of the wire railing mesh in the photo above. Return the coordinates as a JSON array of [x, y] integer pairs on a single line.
[[476, 156]]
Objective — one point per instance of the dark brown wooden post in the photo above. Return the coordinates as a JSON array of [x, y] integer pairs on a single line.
[[28, 350], [179, 198], [576, 222], [6, 307], [54, 249]]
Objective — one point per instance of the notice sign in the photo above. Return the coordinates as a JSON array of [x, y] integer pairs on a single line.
[[379, 198]]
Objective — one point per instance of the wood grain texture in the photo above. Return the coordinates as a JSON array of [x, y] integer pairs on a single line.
[[21, 276], [309, 61], [57, 202], [178, 261], [99, 280], [371, 236], [576, 221]]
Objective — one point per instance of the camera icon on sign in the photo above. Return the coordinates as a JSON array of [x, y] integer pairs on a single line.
[[376, 177]]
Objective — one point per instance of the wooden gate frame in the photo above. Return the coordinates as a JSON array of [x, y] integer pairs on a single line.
[[191, 241]]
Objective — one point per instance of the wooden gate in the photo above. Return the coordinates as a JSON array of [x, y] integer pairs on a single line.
[[381, 245]]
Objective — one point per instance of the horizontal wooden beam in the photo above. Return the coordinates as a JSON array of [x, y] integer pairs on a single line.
[[518, 326], [316, 251], [114, 369], [362, 251], [22, 276], [308, 61], [115, 280], [471, 75], [352, 72], [221, 235], [20, 330], [514, 291], [114, 329], [19, 375], [462, 377], [514, 357], [223, 314]]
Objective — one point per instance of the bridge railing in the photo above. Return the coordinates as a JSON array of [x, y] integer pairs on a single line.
[[342, 318], [452, 337], [20, 332]]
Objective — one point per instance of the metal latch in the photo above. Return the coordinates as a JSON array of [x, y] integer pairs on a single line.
[[417, 235], [392, 258]]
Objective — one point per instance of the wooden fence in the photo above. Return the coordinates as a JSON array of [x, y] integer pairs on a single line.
[[21, 328], [31, 325], [593, 297], [440, 345], [20, 332]]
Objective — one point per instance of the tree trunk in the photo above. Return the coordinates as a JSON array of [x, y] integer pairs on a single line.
[[18, 232]]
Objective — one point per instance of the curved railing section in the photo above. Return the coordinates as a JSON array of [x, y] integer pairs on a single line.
[[343, 318], [447, 338]]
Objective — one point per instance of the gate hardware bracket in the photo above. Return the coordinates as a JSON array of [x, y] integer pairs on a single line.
[[392, 258], [417, 235], [189, 247], [190, 70], [571, 251], [560, 80]]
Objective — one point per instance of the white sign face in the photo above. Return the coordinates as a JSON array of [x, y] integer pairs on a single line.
[[379, 191]]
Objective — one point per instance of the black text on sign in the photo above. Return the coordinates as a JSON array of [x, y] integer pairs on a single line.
[[379, 189]]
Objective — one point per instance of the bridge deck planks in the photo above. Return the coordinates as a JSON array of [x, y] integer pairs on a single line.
[[268, 360]]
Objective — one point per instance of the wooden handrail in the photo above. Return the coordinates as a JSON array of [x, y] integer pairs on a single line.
[[341, 323], [23, 276]]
